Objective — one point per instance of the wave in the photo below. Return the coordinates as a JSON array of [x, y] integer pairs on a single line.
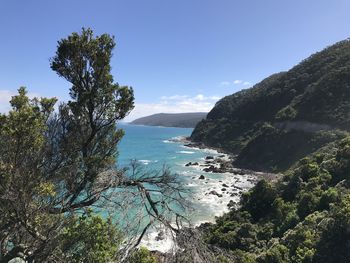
[[159, 239], [186, 152], [146, 162]]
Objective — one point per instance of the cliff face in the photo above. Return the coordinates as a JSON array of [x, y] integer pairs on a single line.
[[286, 116]]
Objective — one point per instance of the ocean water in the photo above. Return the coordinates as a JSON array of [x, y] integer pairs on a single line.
[[154, 147], [151, 146]]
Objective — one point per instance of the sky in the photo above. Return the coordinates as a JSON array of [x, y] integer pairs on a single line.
[[179, 56]]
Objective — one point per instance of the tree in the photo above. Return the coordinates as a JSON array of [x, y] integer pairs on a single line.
[[90, 238], [259, 201], [55, 165]]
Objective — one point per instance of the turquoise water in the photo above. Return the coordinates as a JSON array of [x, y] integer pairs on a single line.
[[155, 147], [151, 146]]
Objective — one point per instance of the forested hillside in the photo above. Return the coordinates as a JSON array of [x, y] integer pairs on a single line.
[[304, 217], [287, 115]]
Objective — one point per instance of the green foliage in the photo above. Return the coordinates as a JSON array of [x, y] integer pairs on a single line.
[[243, 257], [308, 203], [142, 255], [284, 215], [333, 245], [304, 217], [287, 113], [276, 254], [259, 201], [90, 238], [328, 197], [222, 259]]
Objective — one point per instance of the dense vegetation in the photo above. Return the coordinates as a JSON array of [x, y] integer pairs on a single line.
[[266, 125], [182, 120], [304, 217]]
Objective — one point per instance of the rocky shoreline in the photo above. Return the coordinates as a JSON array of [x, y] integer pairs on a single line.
[[227, 192], [223, 163]]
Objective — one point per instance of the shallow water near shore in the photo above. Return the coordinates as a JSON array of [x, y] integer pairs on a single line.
[[154, 147]]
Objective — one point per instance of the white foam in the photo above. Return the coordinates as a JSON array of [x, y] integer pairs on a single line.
[[205, 150], [178, 139], [208, 206], [163, 245], [186, 152], [215, 205], [146, 162]]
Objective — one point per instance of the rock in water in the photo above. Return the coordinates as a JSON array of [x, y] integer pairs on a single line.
[[213, 192], [160, 236]]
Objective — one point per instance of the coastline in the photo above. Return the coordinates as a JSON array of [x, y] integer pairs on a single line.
[[218, 188], [225, 162]]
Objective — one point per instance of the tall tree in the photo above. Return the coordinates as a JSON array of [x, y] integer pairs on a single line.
[[54, 165]]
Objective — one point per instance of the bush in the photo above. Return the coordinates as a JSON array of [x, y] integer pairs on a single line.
[[90, 238], [258, 202], [142, 255]]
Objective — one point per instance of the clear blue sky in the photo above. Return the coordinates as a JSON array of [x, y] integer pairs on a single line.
[[178, 55]]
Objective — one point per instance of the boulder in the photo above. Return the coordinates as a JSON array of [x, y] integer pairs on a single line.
[[213, 192], [231, 204], [190, 163], [160, 236]]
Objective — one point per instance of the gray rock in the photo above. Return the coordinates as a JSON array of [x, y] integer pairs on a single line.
[[215, 193], [160, 236], [231, 204]]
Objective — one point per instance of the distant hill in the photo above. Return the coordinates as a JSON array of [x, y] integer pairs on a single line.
[[286, 116], [182, 120]]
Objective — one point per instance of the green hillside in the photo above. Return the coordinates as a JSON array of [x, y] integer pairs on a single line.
[[304, 217], [287, 115]]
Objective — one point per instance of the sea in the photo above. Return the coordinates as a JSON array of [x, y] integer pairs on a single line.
[[153, 147]]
